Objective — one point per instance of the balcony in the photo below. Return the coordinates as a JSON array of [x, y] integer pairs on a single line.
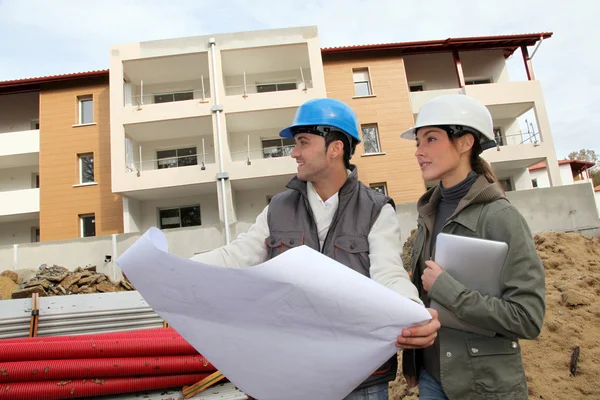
[[17, 205], [19, 149], [166, 87], [255, 145], [168, 154], [266, 77]]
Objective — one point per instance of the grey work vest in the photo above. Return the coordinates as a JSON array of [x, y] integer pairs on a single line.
[[291, 224]]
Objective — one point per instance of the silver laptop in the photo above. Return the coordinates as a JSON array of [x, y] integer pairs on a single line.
[[477, 264]]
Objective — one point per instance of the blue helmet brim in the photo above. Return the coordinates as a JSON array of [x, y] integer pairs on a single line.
[[287, 133]]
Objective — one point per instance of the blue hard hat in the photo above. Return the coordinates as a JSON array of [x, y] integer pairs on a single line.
[[324, 112]]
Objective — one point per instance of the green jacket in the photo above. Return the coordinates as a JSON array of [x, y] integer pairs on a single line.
[[472, 366]]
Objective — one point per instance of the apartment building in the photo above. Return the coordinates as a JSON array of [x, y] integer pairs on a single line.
[[184, 132], [55, 159], [195, 123], [386, 84]]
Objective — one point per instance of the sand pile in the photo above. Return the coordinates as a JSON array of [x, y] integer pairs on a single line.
[[572, 264]]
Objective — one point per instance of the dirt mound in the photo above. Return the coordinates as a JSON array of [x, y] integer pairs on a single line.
[[572, 264]]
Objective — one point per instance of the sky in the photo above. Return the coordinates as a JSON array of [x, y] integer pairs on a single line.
[[47, 37]]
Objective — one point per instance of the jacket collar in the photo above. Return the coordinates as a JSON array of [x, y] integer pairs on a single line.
[[481, 192]]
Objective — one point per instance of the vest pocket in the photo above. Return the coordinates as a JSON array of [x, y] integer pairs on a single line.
[[280, 242], [353, 252]]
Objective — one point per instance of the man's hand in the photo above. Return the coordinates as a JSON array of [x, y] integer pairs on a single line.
[[422, 336], [430, 275]]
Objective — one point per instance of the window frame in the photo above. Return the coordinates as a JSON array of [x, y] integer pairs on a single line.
[[179, 208], [379, 184], [479, 80], [82, 218], [281, 147], [80, 107], [369, 82], [177, 158], [80, 158], [378, 139]]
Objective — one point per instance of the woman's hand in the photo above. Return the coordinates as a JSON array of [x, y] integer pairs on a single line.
[[431, 274]]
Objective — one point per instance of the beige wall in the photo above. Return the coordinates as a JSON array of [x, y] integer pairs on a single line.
[[17, 178], [437, 70], [250, 203], [18, 110], [60, 143], [16, 233], [391, 110]]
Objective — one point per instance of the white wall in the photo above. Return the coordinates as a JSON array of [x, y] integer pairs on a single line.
[[18, 110], [542, 177], [17, 178], [510, 130], [438, 72], [209, 209], [566, 174], [484, 64], [522, 180], [149, 149], [16, 232], [597, 195], [132, 217], [238, 143], [250, 203]]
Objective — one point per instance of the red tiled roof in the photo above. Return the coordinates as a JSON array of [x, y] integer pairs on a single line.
[[33, 83], [583, 165], [509, 43]]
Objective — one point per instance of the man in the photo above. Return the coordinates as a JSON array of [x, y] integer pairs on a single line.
[[329, 210]]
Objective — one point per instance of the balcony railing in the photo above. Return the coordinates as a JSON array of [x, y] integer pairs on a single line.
[[245, 89], [200, 95], [262, 153]]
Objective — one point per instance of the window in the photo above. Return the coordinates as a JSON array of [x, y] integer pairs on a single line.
[[498, 136], [35, 235], [482, 81], [86, 109], [86, 168], [88, 225], [275, 87], [416, 87], [379, 187], [35, 124], [35, 181], [506, 184], [371, 138], [269, 198], [362, 83], [177, 158], [534, 183], [179, 217], [171, 97], [277, 147]]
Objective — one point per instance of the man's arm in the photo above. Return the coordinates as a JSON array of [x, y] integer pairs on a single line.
[[247, 250], [385, 249]]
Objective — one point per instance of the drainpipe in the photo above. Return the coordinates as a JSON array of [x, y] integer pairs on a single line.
[[217, 109]]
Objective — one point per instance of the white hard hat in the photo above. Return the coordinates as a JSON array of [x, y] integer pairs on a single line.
[[458, 110]]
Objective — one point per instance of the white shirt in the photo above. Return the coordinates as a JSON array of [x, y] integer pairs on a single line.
[[385, 247]]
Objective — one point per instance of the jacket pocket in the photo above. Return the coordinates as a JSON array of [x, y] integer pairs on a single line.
[[497, 366], [279, 242], [353, 252]]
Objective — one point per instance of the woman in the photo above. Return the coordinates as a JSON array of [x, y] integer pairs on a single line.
[[451, 132]]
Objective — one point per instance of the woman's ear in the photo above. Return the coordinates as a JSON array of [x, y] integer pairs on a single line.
[[466, 143]]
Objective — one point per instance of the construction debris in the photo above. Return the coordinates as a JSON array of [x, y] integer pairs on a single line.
[[59, 281]]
